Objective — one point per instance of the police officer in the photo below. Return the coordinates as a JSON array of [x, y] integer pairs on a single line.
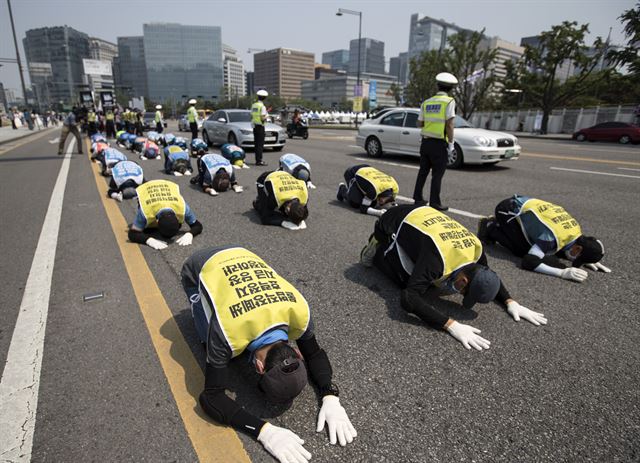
[[368, 189], [231, 318], [92, 128], [192, 118], [541, 233], [282, 200], [215, 175], [298, 167], [162, 207], [126, 176], [176, 161], [138, 119], [436, 119], [126, 119], [258, 118], [158, 119], [110, 123], [425, 251]]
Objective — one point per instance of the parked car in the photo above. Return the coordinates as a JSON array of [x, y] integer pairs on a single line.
[[622, 132], [183, 124], [234, 126], [396, 132], [149, 121]]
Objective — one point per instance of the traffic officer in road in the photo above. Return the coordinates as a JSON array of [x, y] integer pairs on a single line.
[[158, 119], [126, 176], [215, 175], [92, 119], [192, 118], [240, 304], [425, 252], [282, 200], [162, 208], [126, 118], [110, 126], [542, 233], [298, 167], [368, 189], [258, 118], [176, 161], [436, 120]]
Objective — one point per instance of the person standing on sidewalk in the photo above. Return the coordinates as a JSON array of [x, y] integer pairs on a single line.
[[437, 115], [192, 118], [258, 118], [70, 126]]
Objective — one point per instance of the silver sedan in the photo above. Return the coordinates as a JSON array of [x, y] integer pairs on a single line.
[[234, 126]]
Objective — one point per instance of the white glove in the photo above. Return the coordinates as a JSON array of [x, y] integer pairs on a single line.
[[337, 420], [289, 225], [237, 188], [187, 173], [375, 212], [468, 336], [177, 174], [284, 445], [156, 244], [310, 185], [185, 240], [144, 158], [302, 226], [451, 147], [213, 192], [598, 267], [518, 311], [575, 274], [117, 196], [244, 166]]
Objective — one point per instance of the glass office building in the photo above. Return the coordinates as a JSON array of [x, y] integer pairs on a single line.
[[130, 70], [337, 59], [371, 56], [183, 60]]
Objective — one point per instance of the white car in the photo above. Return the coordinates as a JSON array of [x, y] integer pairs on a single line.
[[395, 132], [234, 126]]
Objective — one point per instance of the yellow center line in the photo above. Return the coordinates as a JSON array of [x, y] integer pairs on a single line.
[[577, 158], [211, 442]]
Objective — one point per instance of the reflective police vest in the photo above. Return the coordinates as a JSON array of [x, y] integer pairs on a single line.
[[380, 181], [290, 161], [215, 162], [113, 156], [565, 229], [249, 298], [286, 187], [110, 115], [192, 114], [434, 114], [256, 113], [157, 195], [158, 117], [127, 170], [456, 245], [91, 117]]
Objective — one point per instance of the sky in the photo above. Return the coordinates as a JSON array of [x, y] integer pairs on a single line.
[[309, 25]]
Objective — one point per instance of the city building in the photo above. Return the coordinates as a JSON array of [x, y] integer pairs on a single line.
[[4, 107], [249, 77], [129, 68], [330, 92], [280, 71], [325, 70], [371, 56], [505, 52], [235, 83], [54, 59], [183, 60], [398, 67], [337, 59], [102, 50]]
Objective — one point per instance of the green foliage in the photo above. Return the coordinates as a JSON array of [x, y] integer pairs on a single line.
[[396, 92], [422, 77], [630, 55]]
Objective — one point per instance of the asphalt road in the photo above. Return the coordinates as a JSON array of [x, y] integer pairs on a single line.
[[564, 392]]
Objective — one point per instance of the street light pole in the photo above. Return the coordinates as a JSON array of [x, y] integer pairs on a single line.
[[340, 12], [15, 42]]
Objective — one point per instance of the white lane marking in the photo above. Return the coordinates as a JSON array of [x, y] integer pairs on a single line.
[[593, 172], [452, 210], [354, 146], [21, 376], [629, 168], [55, 140], [397, 164]]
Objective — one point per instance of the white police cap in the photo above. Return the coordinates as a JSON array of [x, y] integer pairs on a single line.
[[262, 93], [446, 78], [192, 101]]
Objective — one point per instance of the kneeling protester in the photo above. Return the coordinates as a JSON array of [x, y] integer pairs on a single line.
[[368, 189], [109, 158], [215, 175], [126, 176], [282, 200], [235, 155], [176, 161], [198, 147], [298, 167]]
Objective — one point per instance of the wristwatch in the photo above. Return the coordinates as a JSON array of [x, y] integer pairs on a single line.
[[331, 389]]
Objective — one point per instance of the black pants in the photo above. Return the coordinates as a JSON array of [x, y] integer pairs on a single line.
[[506, 230], [92, 128], [159, 127], [111, 129], [194, 129], [433, 157], [139, 129], [258, 140]]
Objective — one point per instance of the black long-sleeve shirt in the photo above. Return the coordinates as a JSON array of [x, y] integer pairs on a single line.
[[213, 398], [428, 265], [266, 203]]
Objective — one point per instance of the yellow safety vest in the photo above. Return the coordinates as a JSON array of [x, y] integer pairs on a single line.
[[256, 113], [192, 114], [286, 187], [91, 117], [434, 115], [110, 115], [158, 116], [565, 228], [174, 149], [457, 245], [156, 195], [380, 181], [249, 298]]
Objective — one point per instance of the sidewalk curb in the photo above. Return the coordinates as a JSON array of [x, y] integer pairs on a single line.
[[542, 137], [39, 132]]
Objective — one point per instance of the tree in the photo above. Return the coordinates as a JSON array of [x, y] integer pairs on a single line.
[[422, 77], [396, 92], [537, 72], [630, 55]]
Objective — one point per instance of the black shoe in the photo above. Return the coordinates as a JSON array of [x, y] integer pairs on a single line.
[[483, 230], [261, 163], [439, 207], [419, 202], [339, 194]]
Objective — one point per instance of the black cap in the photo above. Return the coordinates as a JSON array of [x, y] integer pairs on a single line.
[[283, 382], [592, 251], [483, 287]]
